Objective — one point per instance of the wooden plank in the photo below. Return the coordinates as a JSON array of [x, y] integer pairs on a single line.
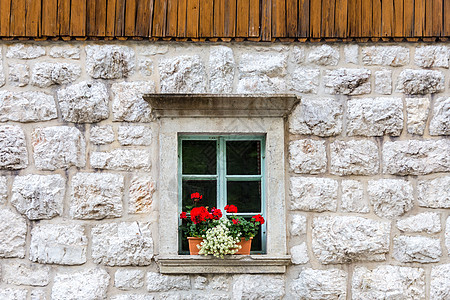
[[130, 17], [49, 18], [172, 14], [437, 14], [64, 17], [408, 18], [206, 18], [315, 18], [100, 18], [219, 17], [78, 18], [303, 18], [354, 18], [159, 18], [366, 18], [292, 18], [266, 20], [376, 19], [242, 18], [328, 14], [419, 17], [181, 20], [119, 19], [446, 25], [398, 18], [144, 17], [90, 18], [278, 18], [5, 15], [33, 18], [429, 18], [387, 17], [340, 22], [17, 18], [230, 19], [192, 19], [253, 23]]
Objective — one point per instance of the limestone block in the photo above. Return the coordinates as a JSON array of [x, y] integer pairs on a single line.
[[347, 81], [264, 287], [383, 82], [214, 283], [344, 239], [390, 197], [58, 147], [355, 157], [440, 282], [13, 148], [27, 106], [417, 111], [3, 189], [432, 56], [351, 54], [2, 75], [419, 249], [261, 85], [353, 199], [152, 49], [13, 232], [96, 196], [416, 157], [26, 273], [298, 54], [434, 193], [38, 196], [299, 254], [25, 51], [129, 279], [324, 55], [88, 284], [308, 156], [320, 284], [447, 235], [128, 104], [305, 80], [45, 74], [135, 135], [221, 70], [109, 61], [157, 282], [322, 117], [133, 297], [388, 282], [145, 66], [416, 82], [440, 123], [58, 244], [101, 135], [394, 56], [182, 74], [297, 225], [121, 159], [122, 244], [38, 295], [428, 222], [313, 194], [140, 198], [375, 117], [19, 74], [13, 294], [66, 51], [85, 102]]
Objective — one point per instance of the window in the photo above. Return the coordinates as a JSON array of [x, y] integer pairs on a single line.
[[225, 169]]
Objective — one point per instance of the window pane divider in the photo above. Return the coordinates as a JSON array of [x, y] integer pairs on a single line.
[[198, 177], [244, 177]]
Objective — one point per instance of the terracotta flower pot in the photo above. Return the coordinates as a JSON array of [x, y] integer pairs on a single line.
[[245, 246], [193, 242]]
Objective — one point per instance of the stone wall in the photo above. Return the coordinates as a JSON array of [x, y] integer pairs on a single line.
[[369, 163]]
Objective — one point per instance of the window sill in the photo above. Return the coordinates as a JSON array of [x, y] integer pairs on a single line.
[[237, 264]]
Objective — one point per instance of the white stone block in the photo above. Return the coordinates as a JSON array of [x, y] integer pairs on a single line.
[[157, 282], [13, 294], [432, 56], [308, 156], [390, 198], [25, 51], [66, 51], [297, 225], [417, 111], [3, 189], [182, 74], [408, 249], [440, 122], [323, 55], [27, 107], [258, 287], [13, 148], [140, 198], [355, 157], [145, 66], [383, 82], [428, 222], [129, 279], [440, 282], [420, 82], [320, 284], [45, 74], [313, 194], [221, 69], [101, 134], [394, 56], [305, 80], [89, 284], [128, 104], [347, 81], [353, 199], [299, 254], [109, 61], [121, 159], [434, 193], [26, 273], [351, 54], [13, 232], [134, 135], [19, 74]]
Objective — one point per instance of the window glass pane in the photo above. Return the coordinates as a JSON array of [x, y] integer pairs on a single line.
[[206, 188], [246, 195], [199, 157], [243, 157]]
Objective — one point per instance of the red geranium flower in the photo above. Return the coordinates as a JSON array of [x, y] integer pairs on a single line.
[[258, 218], [200, 214], [217, 213], [235, 221], [183, 215], [196, 197], [231, 209]]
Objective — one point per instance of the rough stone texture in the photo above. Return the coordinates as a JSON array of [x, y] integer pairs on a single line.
[[344, 239], [383, 82], [13, 148], [3, 189], [308, 156], [145, 66], [388, 282], [347, 81], [320, 284], [13, 231], [440, 123], [121, 159], [299, 254], [394, 56], [134, 135], [38, 295], [351, 54], [355, 157], [214, 283], [101, 135], [221, 70], [19, 74], [375, 117], [440, 282], [133, 297], [58, 147], [152, 49], [324, 55], [96, 196], [85, 102], [19, 273], [129, 279], [298, 54], [122, 244], [45, 74], [432, 56], [25, 51], [434, 193], [253, 287], [66, 51], [416, 157], [305, 80], [109, 61], [417, 111], [353, 199], [58, 244], [428, 222], [447, 235], [157, 282], [2, 75], [140, 198], [13, 294], [322, 117], [416, 82], [390, 197], [419, 249], [297, 225], [38, 196], [182, 74], [128, 104], [89, 284], [313, 194], [26, 106]]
